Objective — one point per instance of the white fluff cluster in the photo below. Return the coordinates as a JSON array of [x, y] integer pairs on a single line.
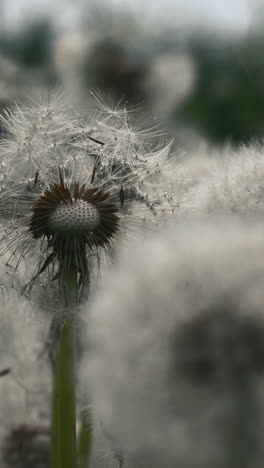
[[238, 185], [35, 130], [25, 389], [45, 133], [177, 348]]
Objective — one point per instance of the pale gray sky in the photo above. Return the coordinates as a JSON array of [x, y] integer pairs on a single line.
[[228, 14]]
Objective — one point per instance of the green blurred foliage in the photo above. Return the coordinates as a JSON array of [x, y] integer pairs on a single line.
[[227, 101], [31, 45]]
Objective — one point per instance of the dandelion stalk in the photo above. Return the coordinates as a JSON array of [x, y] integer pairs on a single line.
[[85, 439], [64, 446], [63, 411], [67, 413], [55, 424]]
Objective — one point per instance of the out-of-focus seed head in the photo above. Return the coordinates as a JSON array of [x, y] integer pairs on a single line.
[[237, 185], [210, 354], [181, 320]]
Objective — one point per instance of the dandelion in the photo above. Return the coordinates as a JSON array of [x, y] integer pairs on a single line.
[[76, 194], [181, 318], [67, 197]]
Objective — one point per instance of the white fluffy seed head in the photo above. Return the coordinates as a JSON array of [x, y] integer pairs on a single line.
[[179, 307], [78, 217], [25, 389], [237, 185], [107, 151]]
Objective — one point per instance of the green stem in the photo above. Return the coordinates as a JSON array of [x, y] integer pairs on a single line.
[[64, 445], [85, 439], [55, 426], [67, 397], [85, 432]]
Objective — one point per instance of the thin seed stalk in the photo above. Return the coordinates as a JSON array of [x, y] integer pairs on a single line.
[[67, 416], [85, 439], [85, 432], [64, 444], [55, 425]]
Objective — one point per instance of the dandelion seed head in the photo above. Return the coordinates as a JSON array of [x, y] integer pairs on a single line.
[[82, 212], [75, 190]]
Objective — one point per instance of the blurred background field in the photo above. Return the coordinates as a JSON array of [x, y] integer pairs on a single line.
[[193, 68], [198, 67]]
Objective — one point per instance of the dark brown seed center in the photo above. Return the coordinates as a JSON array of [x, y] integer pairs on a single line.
[[77, 217]]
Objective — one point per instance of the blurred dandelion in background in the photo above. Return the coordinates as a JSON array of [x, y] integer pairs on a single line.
[[237, 186], [180, 316]]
